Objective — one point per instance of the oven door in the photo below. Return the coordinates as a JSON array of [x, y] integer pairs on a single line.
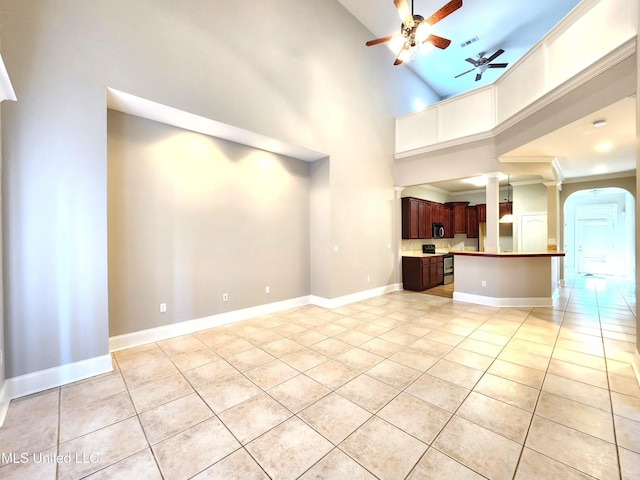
[[448, 269], [448, 264]]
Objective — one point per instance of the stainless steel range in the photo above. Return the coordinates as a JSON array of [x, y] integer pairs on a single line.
[[448, 269]]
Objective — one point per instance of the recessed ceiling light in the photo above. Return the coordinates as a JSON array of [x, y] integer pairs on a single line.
[[603, 147], [599, 123], [480, 181]]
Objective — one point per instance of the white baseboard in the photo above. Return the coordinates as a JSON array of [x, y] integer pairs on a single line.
[[41, 380], [636, 364], [354, 297], [150, 335], [505, 302], [72, 372], [4, 403]]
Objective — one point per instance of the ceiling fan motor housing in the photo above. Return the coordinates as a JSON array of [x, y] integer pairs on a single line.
[[410, 32]]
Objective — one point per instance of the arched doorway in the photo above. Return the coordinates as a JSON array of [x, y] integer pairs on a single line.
[[599, 232]]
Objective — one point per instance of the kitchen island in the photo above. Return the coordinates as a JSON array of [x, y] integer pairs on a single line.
[[514, 279]]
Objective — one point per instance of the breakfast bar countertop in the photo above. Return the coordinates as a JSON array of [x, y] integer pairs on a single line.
[[507, 254]]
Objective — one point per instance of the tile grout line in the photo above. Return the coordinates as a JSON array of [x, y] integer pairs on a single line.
[[364, 372], [535, 407], [606, 366], [435, 438]]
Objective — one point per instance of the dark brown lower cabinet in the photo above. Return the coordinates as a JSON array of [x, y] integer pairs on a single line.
[[420, 273]]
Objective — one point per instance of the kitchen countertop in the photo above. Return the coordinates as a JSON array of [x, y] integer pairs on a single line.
[[509, 254]]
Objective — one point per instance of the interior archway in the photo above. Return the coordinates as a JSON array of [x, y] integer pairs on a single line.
[[599, 233]]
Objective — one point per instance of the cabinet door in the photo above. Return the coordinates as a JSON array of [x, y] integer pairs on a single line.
[[426, 275], [433, 271], [423, 231], [437, 212], [440, 271], [460, 216], [412, 273], [482, 212], [411, 218], [449, 220], [472, 222]]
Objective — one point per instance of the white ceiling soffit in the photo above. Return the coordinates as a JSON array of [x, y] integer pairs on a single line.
[[6, 89], [140, 107]]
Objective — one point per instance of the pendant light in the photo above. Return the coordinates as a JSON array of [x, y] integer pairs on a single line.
[[508, 217]]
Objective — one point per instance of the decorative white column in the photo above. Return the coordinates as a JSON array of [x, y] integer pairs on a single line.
[[491, 244], [553, 214]]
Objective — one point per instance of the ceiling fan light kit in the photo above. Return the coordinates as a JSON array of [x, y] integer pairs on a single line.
[[415, 31]]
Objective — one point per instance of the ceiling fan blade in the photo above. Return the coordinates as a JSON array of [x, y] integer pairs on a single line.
[[498, 65], [473, 62], [405, 12], [494, 56], [378, 41], [404, 47], [478, 76], [437, 41], [464, 73], [448, 9]]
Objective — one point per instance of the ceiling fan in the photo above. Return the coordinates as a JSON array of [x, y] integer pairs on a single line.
[[482, 63], [415, 29]]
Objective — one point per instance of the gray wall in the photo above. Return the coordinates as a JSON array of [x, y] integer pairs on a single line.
[[191, 217], [297, 71]]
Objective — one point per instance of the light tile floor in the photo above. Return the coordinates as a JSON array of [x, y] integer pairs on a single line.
[[405, 385]]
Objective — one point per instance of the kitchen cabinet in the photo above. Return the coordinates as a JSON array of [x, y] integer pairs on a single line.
[[482, 212], [503, 209], [459, 224], [436, 271], [449, 220], [472, 222], [437, 212], [416, 218], [421, 273]]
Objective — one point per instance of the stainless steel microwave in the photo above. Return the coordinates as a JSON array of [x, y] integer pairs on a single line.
[[438, 230]]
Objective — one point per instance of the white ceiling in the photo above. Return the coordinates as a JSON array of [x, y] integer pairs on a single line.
[[514, 26]]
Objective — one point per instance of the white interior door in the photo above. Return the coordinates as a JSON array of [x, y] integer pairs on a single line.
[[533, 232], [595, 245]]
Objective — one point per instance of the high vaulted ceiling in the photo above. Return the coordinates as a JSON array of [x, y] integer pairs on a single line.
[[516, 27]]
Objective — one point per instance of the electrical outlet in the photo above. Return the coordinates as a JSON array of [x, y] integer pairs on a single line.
[[163, 307], [368, 278], [225, 297], [484, 283], [267, 290]]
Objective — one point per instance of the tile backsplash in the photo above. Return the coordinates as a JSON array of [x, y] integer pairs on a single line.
[[459, 242]]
